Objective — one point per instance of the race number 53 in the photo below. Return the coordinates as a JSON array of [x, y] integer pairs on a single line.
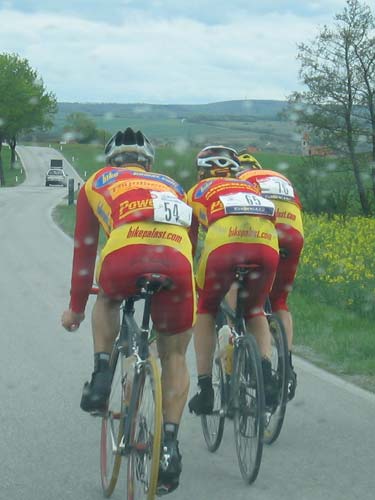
[[171, 210]]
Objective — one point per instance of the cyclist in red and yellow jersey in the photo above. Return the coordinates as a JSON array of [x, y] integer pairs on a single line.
[[146, 220], [240, 229], [278, 188]]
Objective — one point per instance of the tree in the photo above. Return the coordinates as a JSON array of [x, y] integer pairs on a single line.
[[25, 103], [332, 107], [81, 128], [364, 49]]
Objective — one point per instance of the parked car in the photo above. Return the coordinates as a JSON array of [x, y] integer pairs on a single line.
[[56, 177]]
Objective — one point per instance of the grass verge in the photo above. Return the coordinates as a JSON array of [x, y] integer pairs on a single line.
[[339, 341], [13, 176]]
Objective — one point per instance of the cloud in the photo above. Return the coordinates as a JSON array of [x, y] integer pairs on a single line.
[[205, 11], [166, 53]]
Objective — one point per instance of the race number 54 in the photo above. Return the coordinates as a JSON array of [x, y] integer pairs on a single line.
[[170, 209]]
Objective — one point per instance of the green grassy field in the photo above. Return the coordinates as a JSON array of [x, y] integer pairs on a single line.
[[241, 123], [339, 341], [331, 335], [13, 176]]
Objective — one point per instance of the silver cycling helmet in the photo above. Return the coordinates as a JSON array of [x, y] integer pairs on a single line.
[[129, 147], [217, 161]]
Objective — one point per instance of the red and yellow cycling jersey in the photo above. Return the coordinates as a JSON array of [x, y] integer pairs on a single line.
[[121, 195], [289, 227], [272, 185], [134, 207], [214, 198], [279, 189]]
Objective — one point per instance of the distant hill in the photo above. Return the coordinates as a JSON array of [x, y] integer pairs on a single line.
[[252, 108], [237, 123]]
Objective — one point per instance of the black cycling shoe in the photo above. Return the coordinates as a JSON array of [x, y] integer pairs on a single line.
[[95, 393], [271, 390], [170, 468], [292, 383], [202, 403]]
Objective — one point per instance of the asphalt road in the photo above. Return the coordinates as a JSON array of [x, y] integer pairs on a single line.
[[49, 448]]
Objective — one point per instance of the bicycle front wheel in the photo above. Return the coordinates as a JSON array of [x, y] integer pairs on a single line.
[[280, 367], [112, 428], [248, 406], [145, 434], [213, 424]]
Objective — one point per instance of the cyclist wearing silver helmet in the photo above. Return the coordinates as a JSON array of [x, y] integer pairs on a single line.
[[141, 239]]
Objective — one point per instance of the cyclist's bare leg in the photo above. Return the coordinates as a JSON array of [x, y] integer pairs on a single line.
[[287, 321], [105, 326], [175, 378], [231, 296], [204, 343], [258, 326], [105, 322]]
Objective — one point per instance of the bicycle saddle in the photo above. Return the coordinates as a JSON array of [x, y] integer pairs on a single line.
[[154, 282]]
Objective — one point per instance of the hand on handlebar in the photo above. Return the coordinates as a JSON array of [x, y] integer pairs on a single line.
[[71, 320]]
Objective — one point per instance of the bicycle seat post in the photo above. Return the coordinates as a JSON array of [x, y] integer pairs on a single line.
[[149, 284], [241, 273], [146, 293]]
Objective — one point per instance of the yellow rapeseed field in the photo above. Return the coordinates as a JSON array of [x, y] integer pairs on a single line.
[[338, 261]]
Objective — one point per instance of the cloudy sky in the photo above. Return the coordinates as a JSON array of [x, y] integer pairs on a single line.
[[163, 51]]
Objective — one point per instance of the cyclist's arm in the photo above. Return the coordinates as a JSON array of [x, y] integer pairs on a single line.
[[193, 233], [85, 247]]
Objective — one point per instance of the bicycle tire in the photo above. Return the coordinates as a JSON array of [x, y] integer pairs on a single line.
[[280, 367], [112, 429], [145, 433], [248, 406], [213, 424]]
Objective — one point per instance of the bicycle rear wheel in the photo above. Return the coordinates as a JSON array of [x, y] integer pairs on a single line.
[[280, 367], [112, 427], [145, 435], [248, 406]]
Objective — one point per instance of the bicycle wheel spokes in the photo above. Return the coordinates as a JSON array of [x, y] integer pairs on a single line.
[[112, 429], [213, 425], [146, 415], [248, 403], [279, 360]]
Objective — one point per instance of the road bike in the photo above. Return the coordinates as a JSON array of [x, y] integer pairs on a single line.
[[213, 425], [132, 425], [243, 398]]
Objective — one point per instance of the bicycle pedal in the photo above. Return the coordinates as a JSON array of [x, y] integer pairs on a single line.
[[99, 413]]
